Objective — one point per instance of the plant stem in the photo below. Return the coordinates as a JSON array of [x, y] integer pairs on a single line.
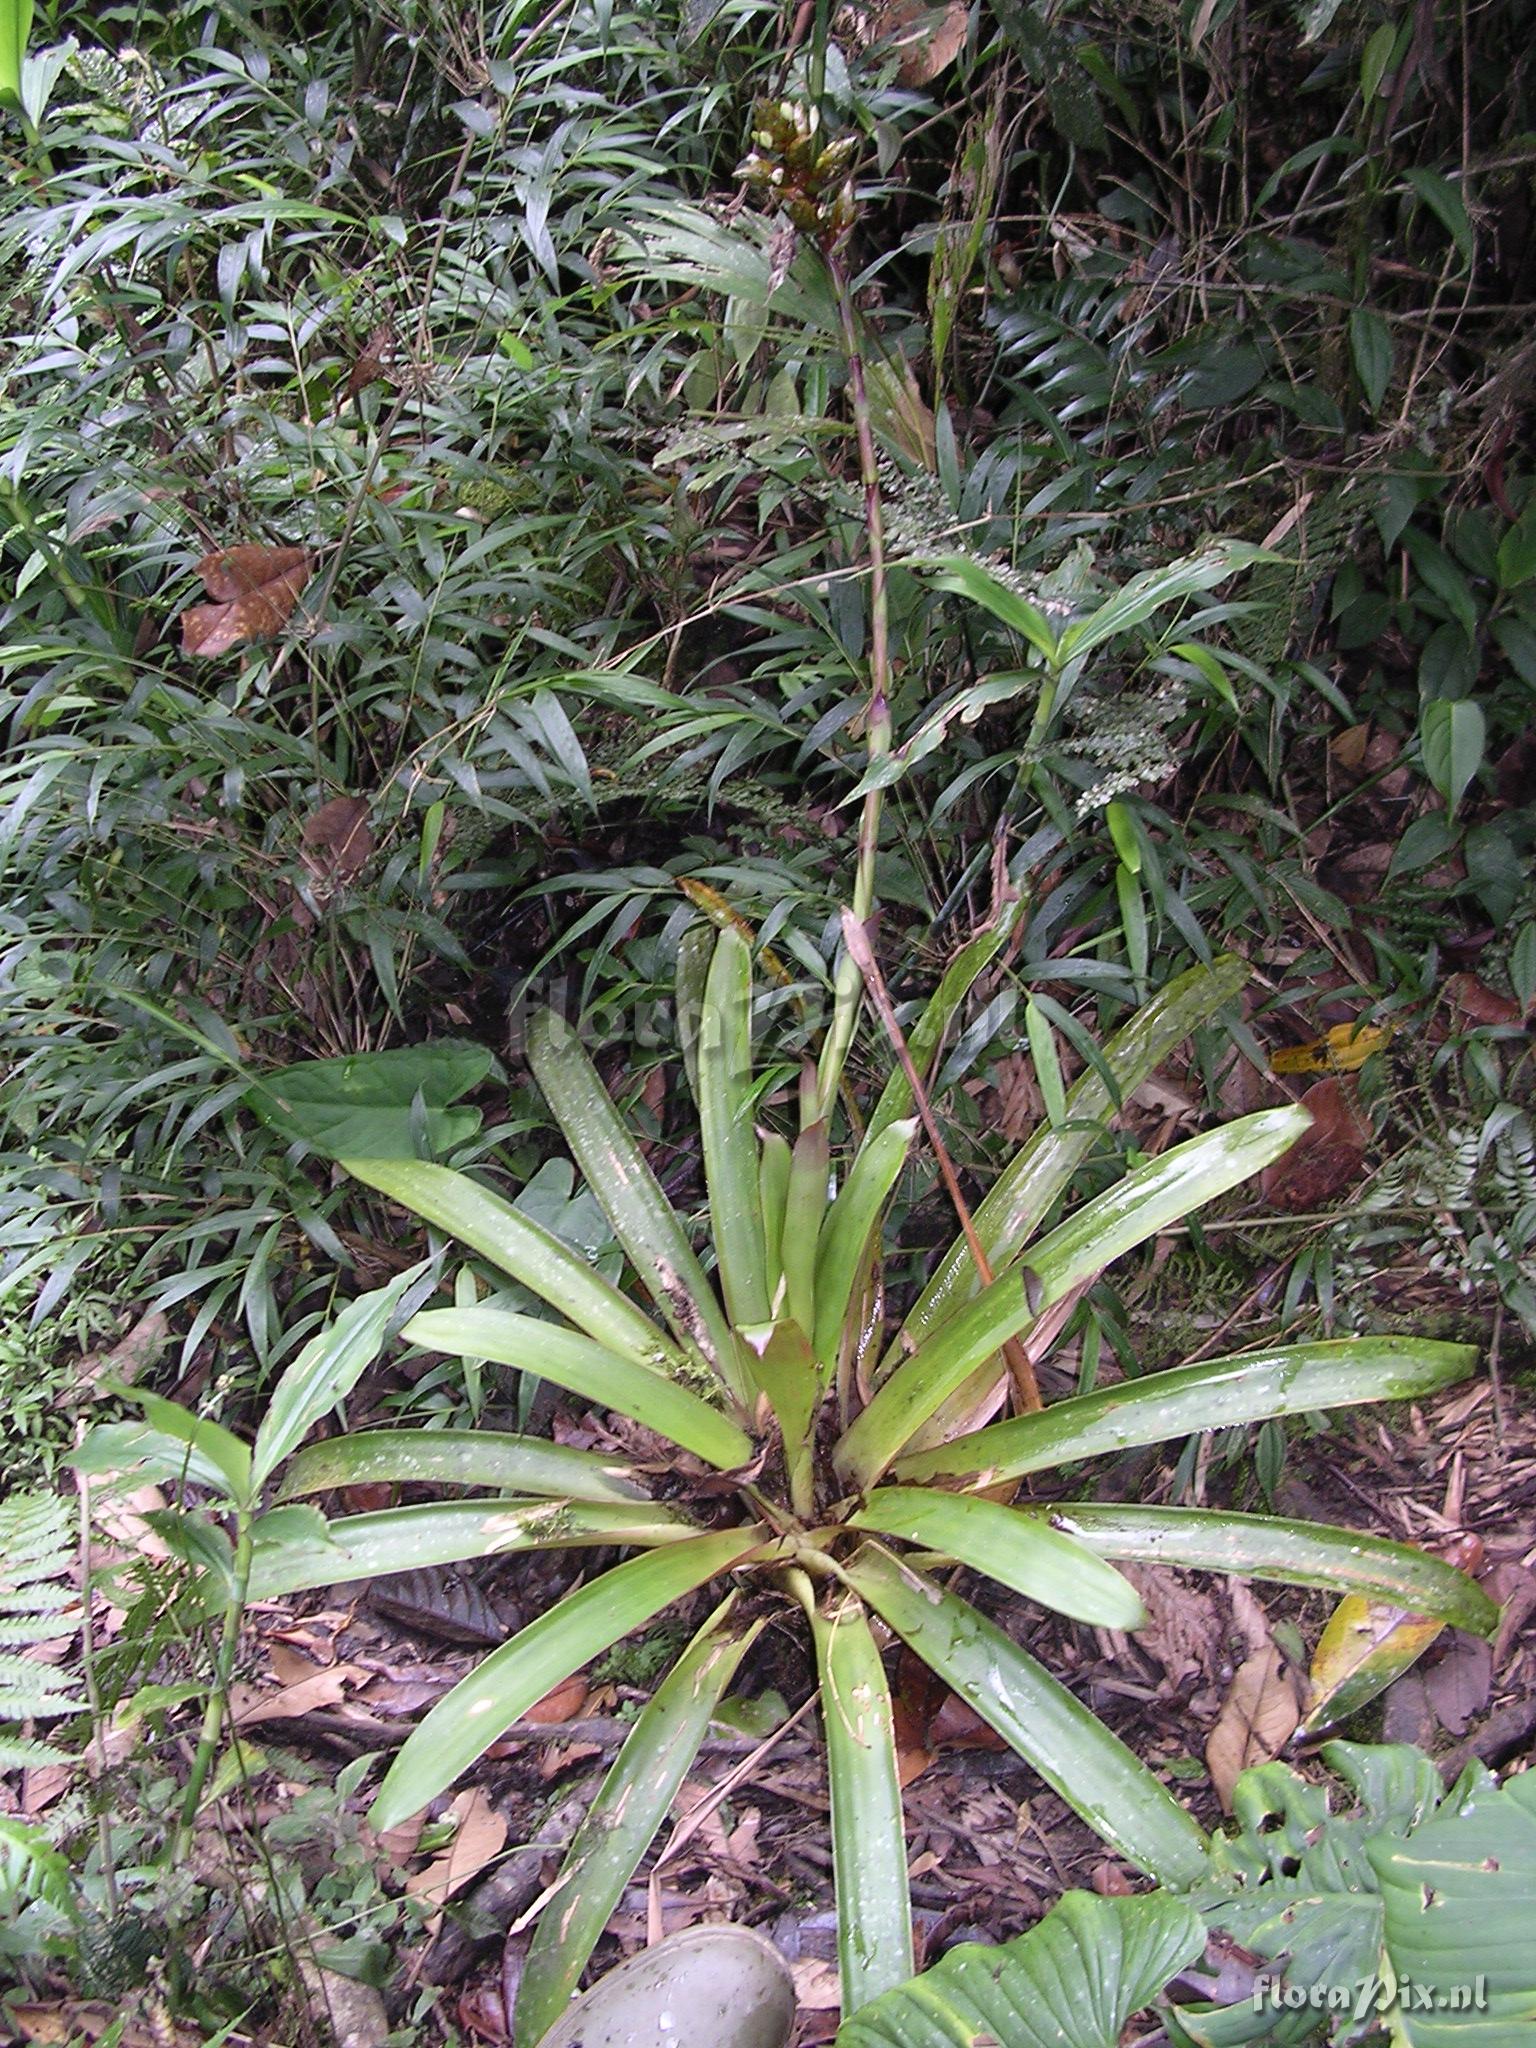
[[849, 983], [218, 1697]]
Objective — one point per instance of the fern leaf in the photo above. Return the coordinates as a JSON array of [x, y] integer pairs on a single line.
[[36, 1554]]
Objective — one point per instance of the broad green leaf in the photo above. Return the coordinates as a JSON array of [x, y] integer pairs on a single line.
[[1047, 1064], [1287, 1553], [1453, 736], [869, 1852], [1216, 1394], [585, 1368], [1446, 203], [1145, 1202], [1073, 1981], [1023, 1193], [325, 1372], [727, 1133], [1456, 1900], [290, 1557], [1014, 1547], [643, 1220], [460, 1457], [927, 1035], [533, 1256], [1370, 344], [1060, 1738], [634, 1800], [850, 1221], [174, 1444], [464, 1724], [360, 1105]]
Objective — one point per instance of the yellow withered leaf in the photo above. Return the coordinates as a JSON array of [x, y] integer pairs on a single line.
[[1339, 1051]]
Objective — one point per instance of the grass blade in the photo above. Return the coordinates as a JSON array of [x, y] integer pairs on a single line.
[[585, 1368], [1017, 1549], [729, 1138], [533, 1256], [463, 1725], [1288, 1553], [1145, 1202], [460, 1457], [643, 1220], [1291, 1380], [869, 1847], [1064, 1741], [1022, 1195], [290, 1556], [635, 1796]]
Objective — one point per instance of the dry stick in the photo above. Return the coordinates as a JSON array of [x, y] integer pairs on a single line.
[[856, 939]]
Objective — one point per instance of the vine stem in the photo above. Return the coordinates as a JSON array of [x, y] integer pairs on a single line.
[[848, 984]]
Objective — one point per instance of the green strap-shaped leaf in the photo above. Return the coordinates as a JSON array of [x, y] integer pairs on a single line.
[[793, 1381], [1017, 1549], [805, 1207], [1023, 1193], [1290, 1380], [726, 1128], [927, 1034], [291, 1555], [647, 1776], [534, 1256], [460, 1457], [464, 1724], [643, 1220], [325, 1372], [583, 1367], [846, 1232], [773, 1187], [1073, 1981], [869, 1847], [1289, 1553], [1058, 1736], [1145, 1202]]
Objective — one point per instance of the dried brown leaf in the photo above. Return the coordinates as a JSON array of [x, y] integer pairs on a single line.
[[1257, 1719], [479, 1835], [1325, 1159], [256, 589]]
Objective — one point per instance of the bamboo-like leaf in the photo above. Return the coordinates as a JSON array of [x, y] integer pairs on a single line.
[[726, 1128], [173, 1444], [325, 1372], [632, 1804], [967, 576], [1060, 1738], [585, 1368], [643, 1220], [869, 1849], [846, 1231], [1145, 1202], [533, 1256], [292, 1556], [464, 1724], [927, 1034], [1136, 601], [460, 1457], [805, 1207], [1288, 1553], [1290, 1380], [1017, 1549], [1023, 1193]]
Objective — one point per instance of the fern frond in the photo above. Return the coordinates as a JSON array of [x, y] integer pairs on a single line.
[[36, 1553]]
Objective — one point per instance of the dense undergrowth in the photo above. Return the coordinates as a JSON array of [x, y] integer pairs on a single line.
[[551, 637]]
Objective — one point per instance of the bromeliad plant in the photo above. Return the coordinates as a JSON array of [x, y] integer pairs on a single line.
[[807, 1463]]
